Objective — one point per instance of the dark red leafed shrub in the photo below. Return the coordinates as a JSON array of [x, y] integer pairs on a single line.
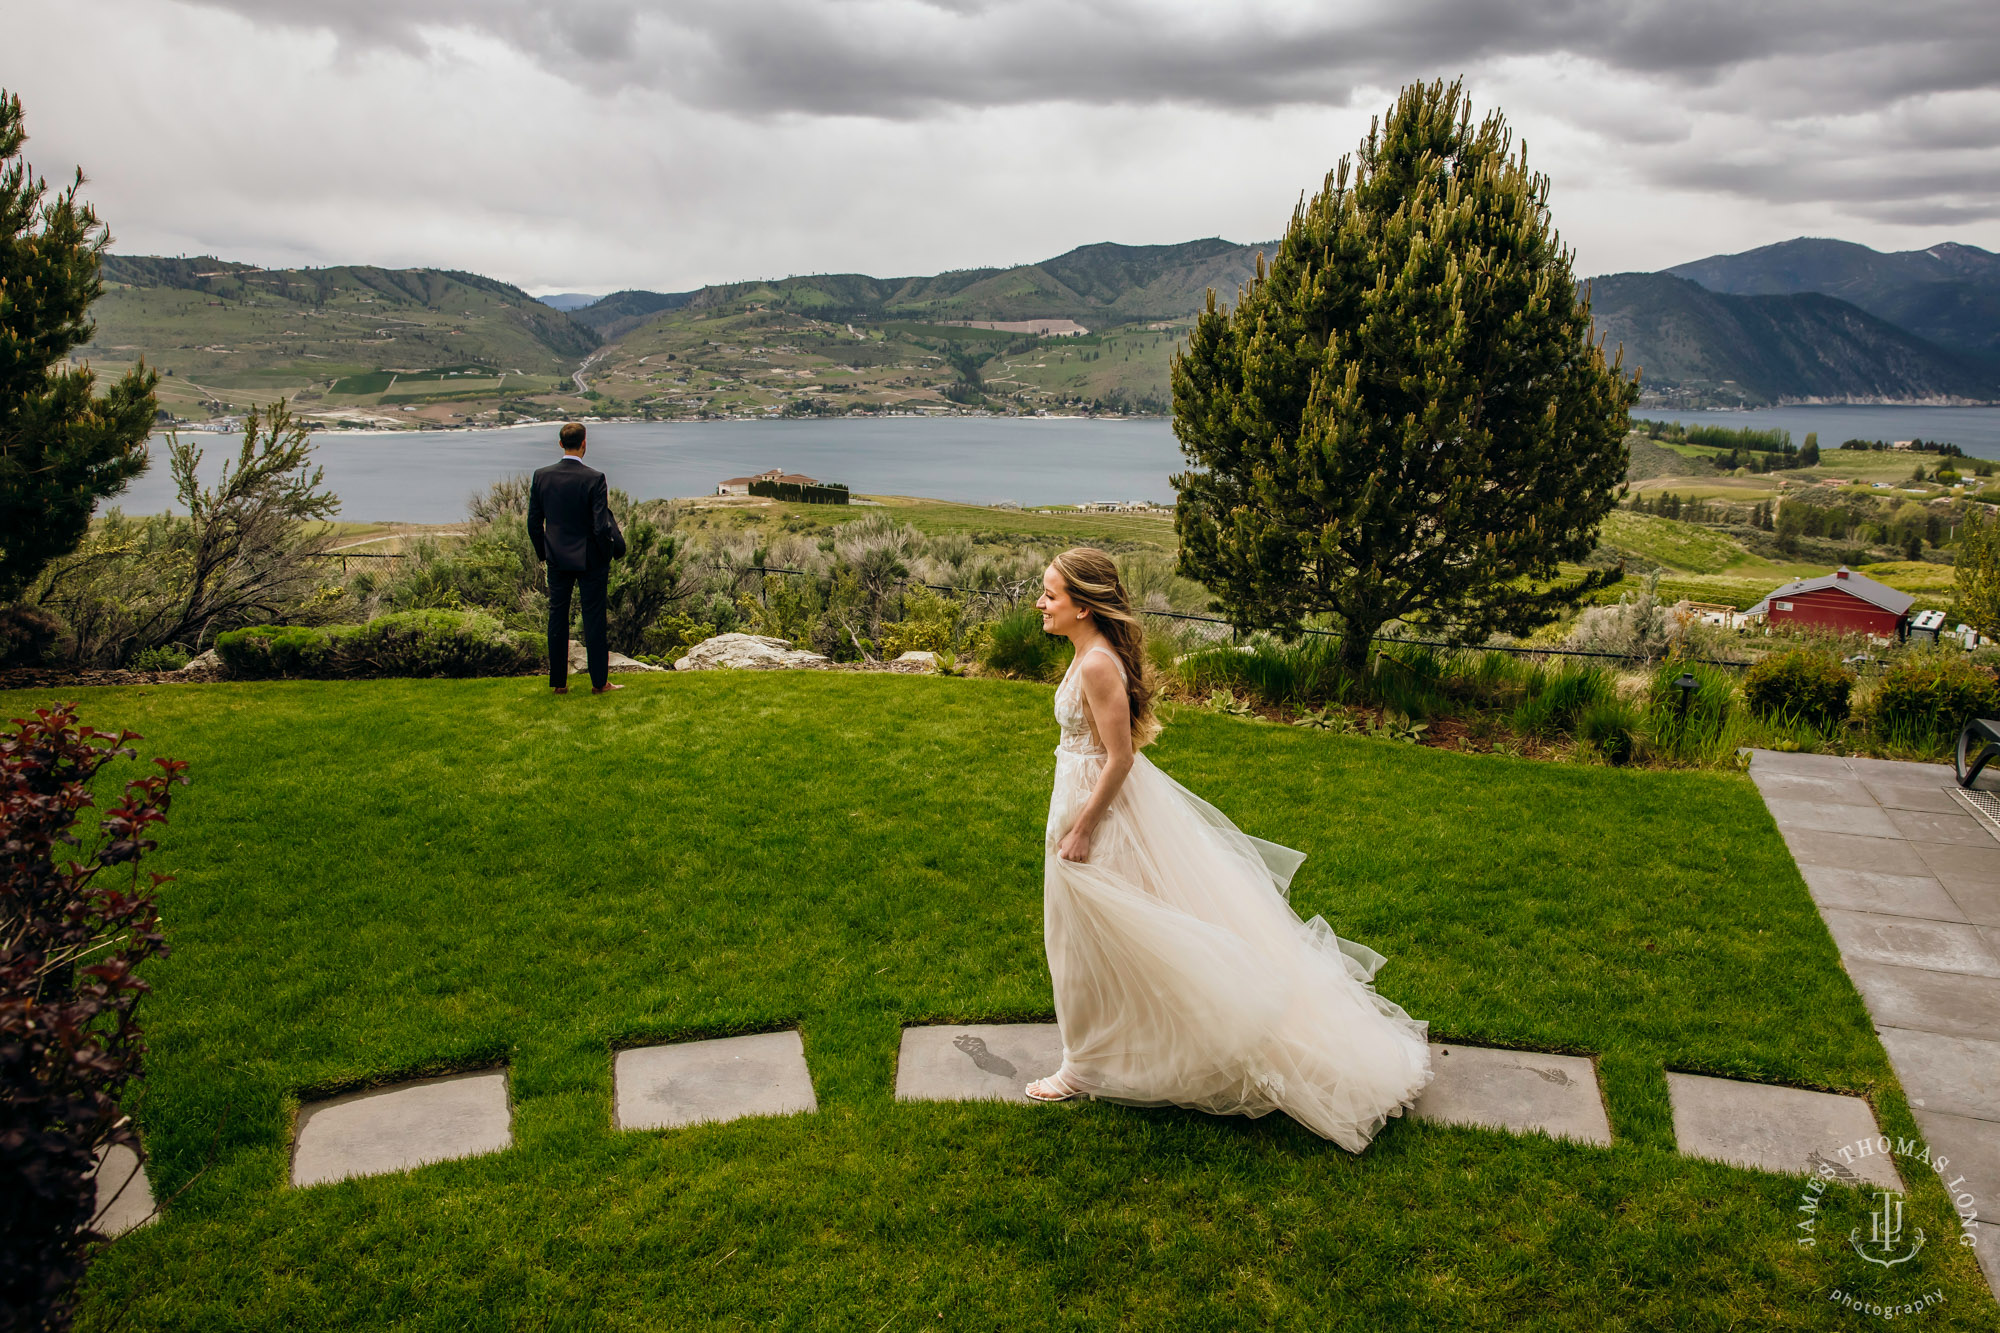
[[74, 924]]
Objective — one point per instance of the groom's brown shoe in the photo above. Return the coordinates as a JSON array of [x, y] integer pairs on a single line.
[[600, 689], [559, 689]]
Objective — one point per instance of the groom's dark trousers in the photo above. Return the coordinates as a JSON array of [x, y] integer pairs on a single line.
[[570, 524], [595, 653]]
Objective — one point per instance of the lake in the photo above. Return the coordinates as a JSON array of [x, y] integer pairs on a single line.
[[426, 476]]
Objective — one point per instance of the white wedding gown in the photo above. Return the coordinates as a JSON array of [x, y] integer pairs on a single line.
[[1183, 977]]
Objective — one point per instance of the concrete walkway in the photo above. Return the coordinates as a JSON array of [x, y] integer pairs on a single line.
[[1906, 873]]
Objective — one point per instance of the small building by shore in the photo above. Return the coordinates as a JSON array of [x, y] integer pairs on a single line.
[[741, 485]]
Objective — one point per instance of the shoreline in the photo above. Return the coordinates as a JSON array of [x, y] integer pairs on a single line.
[[319, 429]]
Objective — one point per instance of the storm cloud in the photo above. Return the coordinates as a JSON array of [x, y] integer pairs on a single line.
[[600, 143]]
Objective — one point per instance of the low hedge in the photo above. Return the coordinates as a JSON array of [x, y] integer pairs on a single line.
[[1799, 685], [405, 643], [1928, 696]]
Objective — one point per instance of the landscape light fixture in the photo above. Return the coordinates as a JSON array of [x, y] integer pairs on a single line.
[[1686, 685]]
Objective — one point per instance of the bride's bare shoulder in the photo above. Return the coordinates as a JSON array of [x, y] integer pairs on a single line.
[[1101, 671]]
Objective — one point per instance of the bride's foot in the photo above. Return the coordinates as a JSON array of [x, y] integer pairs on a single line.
[[1057, 1087]]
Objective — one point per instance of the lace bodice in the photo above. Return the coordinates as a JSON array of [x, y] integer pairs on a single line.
[[1073, 714]]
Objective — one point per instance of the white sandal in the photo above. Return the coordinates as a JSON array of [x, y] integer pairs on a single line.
[[1056, 1089]]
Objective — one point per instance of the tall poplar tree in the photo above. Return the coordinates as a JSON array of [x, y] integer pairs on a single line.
[[1406, 417], [61, 448]]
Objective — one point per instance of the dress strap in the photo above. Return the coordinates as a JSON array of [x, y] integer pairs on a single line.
[[1115, 659]]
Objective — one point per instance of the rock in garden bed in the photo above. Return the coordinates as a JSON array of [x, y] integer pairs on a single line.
[[760, 652]]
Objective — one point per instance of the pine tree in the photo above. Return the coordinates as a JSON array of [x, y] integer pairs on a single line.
[[61, 449], [1406, 416]]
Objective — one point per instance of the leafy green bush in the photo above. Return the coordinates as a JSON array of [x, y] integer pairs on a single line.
[[159, 659], [672, 636], [437, 643], [403, 643], [1929, 696], [1800, 684], [264, 651], [1613, 727], [1017, 646], [930, 623], [28, 635]]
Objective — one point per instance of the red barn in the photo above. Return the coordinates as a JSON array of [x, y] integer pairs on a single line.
[[1843, 601]]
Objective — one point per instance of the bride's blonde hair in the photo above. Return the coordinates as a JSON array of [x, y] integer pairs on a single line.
[[1091, 578]]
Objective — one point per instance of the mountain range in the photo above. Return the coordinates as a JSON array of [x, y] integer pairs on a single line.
[[1948, 294], [1093, 285], [1699, 348], [1810, 320]]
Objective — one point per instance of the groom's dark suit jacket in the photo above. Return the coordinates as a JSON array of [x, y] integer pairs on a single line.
[[569, 517]]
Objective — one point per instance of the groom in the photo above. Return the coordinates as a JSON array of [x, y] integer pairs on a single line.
[[570, 523]]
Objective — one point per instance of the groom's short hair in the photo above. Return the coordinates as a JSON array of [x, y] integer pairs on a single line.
[[571, 435]]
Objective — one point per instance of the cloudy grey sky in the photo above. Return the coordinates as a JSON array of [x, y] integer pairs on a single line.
[[595, 144]]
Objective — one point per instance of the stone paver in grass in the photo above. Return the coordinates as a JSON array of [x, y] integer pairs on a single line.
[[1775, 1128], [690, 1082], [394, 1129], [975, 1062], [1522, 1091], [124, 1196]]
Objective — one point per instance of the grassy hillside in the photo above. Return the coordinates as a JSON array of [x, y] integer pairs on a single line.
[[386, 879], [753, 358], [1675, 545], [1095, 285], [380, 345]]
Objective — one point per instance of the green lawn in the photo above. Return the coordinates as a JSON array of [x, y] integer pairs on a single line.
[[379, 880]]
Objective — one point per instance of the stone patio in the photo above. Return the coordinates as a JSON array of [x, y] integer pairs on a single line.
[[395, 1129], [692, 1082], [991, 1062], [124, 1196], [1907, 878], [1522, 1091], [1775, 1128]]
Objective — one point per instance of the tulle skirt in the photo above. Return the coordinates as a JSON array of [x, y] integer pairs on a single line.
[[1183, 977]]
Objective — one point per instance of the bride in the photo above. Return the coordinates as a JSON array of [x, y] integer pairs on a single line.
[[1182, 975]]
